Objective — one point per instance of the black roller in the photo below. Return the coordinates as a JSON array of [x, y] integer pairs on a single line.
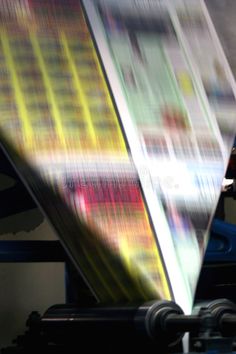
[[146, 322], [224, 312], [152, 327]]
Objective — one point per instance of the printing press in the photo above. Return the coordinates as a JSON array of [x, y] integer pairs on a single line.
[[117, 121], [144, 327]]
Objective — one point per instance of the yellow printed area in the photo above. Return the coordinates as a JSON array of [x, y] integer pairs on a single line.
[[51, 96], [79, 88], [148, 279], [131, 264], [18, 94], [185, 83], [94, 129], [103, 125]]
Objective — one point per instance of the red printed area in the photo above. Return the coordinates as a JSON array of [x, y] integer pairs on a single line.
[[114, 206], [109, 192]]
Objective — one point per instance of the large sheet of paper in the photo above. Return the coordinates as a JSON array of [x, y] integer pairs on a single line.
[[176, 98], [60, 129]]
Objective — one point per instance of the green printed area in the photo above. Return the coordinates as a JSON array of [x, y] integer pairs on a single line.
[[149, 84]]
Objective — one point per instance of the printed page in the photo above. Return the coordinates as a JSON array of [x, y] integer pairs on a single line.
[[60, 129], [177, 125]]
